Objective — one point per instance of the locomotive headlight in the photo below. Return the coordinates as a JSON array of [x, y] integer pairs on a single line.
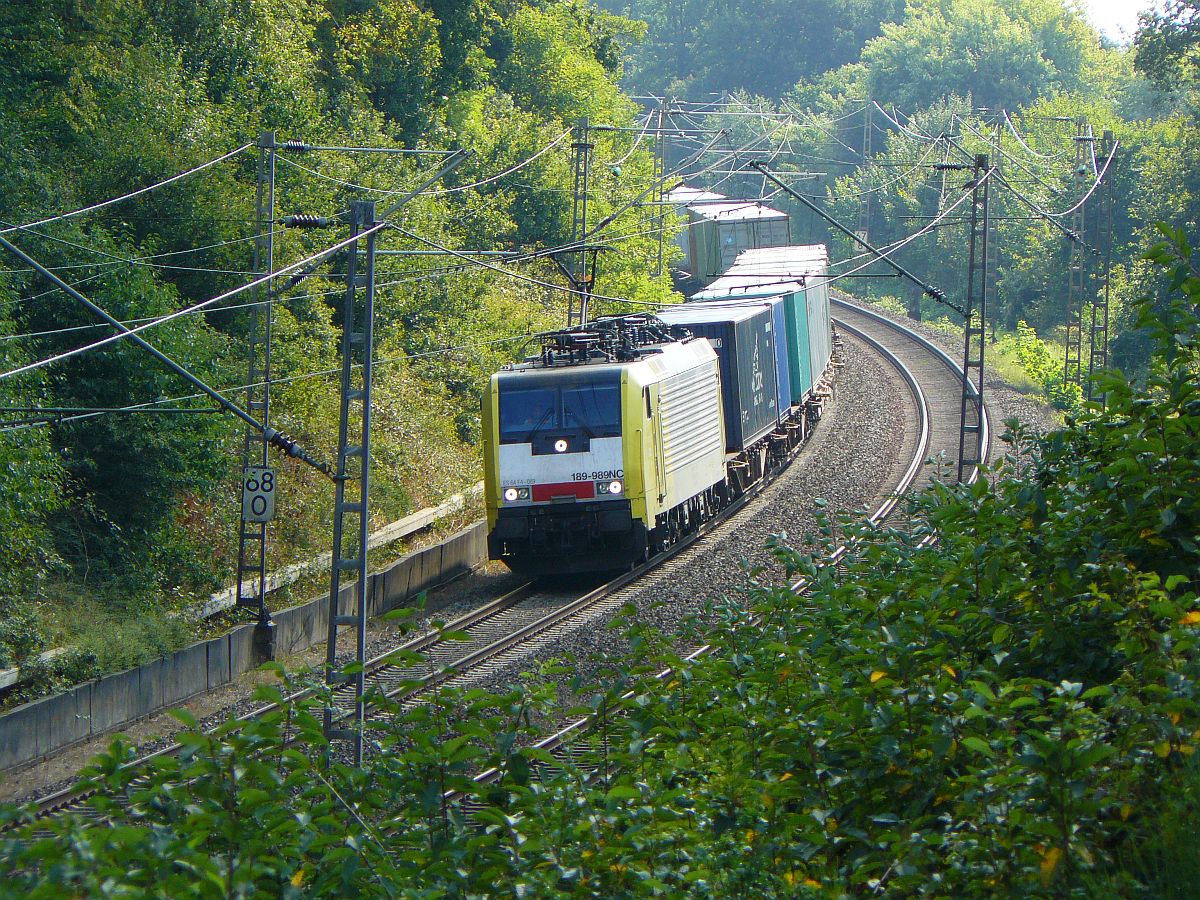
[[511, 494], [560, 446], [523, 493], [615, 487]]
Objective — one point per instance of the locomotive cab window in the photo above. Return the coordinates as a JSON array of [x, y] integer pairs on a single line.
[[595, 409], [526, 410], [533, 408]]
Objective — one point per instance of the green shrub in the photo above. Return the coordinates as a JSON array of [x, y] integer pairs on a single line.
[[20, 634], [1009, 710], [1042, 367]]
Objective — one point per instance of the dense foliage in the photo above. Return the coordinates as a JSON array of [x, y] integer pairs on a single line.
[[696, 48], [954, 79], [1008, 710], [108, 513]]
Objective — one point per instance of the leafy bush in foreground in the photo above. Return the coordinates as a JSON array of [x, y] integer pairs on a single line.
[[1008, 711]]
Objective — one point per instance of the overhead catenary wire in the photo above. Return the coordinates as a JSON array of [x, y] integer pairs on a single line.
[[354, 186], [904, 242], [291, 379], [271, 435], [404, 278], [637, 141], [108, 268], [929, 289], [924, 138], [440, 191], [1014, 160], [881, 187], [1020, 140], [1025, 201], [204, 304], [136, 193], [483, 264], [117, 259], [1049, 215]]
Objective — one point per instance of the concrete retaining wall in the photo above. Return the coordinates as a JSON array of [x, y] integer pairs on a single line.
[[45, 726]]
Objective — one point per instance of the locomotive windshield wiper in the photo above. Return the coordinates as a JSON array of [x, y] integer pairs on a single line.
[[581, 424], [538, 427]]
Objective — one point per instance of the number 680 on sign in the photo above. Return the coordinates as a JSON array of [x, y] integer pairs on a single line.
[[258, 494]]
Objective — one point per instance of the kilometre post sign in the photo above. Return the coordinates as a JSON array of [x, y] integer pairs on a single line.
[[258, 494]]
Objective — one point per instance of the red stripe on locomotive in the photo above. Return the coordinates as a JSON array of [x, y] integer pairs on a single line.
[[580, 490]]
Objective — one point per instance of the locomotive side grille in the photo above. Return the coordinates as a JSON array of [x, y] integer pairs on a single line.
[[689, 407]]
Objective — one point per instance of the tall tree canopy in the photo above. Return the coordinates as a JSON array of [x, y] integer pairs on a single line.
[[1168, 44], [1004, 53], [695, 47], [109, 96]]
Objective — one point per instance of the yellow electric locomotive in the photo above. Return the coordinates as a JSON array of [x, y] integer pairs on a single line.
[[602, 449]]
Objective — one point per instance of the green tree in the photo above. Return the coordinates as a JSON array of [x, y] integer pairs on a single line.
[[693, 48], [1002, 55], [1167, 45]]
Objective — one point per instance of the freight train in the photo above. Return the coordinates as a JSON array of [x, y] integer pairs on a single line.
[[629, 432]]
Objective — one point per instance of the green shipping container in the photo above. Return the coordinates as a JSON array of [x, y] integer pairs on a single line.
[[799, 274], [799, 344], [797, 316]]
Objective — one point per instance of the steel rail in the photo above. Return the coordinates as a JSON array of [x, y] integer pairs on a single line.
[[69, 798], [561, 742], [574, 608]]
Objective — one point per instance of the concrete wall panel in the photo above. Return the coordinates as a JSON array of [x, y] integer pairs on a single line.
[[70, 718], [242, 656], [218, 661], [314, 618], [395, 580], [152, 683], [426, 570], [456, 557], [285, 630], [184, 674], [23, 733], [40, 728], [114, 700]]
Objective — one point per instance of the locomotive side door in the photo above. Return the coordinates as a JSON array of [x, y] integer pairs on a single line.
[[650, 395]]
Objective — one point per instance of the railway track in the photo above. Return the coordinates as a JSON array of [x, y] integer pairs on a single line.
[[934, 383], [482, 641], [516, 624], [925, 363]]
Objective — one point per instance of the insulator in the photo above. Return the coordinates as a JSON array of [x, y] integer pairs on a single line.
[[297, 146], [281, 441], [305, 220]]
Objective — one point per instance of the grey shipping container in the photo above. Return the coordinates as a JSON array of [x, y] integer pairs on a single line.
[[718, 232], [779, 338], [744, 339]]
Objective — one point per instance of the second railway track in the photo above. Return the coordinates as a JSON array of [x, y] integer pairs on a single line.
[[510, 628]]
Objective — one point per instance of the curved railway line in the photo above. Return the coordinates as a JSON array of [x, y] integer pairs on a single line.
[[934, 382], [523, 621]]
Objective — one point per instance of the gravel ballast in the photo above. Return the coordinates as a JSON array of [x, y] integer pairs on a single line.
[[852, 459]]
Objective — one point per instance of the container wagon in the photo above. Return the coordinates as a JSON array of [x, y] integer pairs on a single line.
[[798, 276], [719, 231], [628, 432], [743, 335], [680, 199]]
